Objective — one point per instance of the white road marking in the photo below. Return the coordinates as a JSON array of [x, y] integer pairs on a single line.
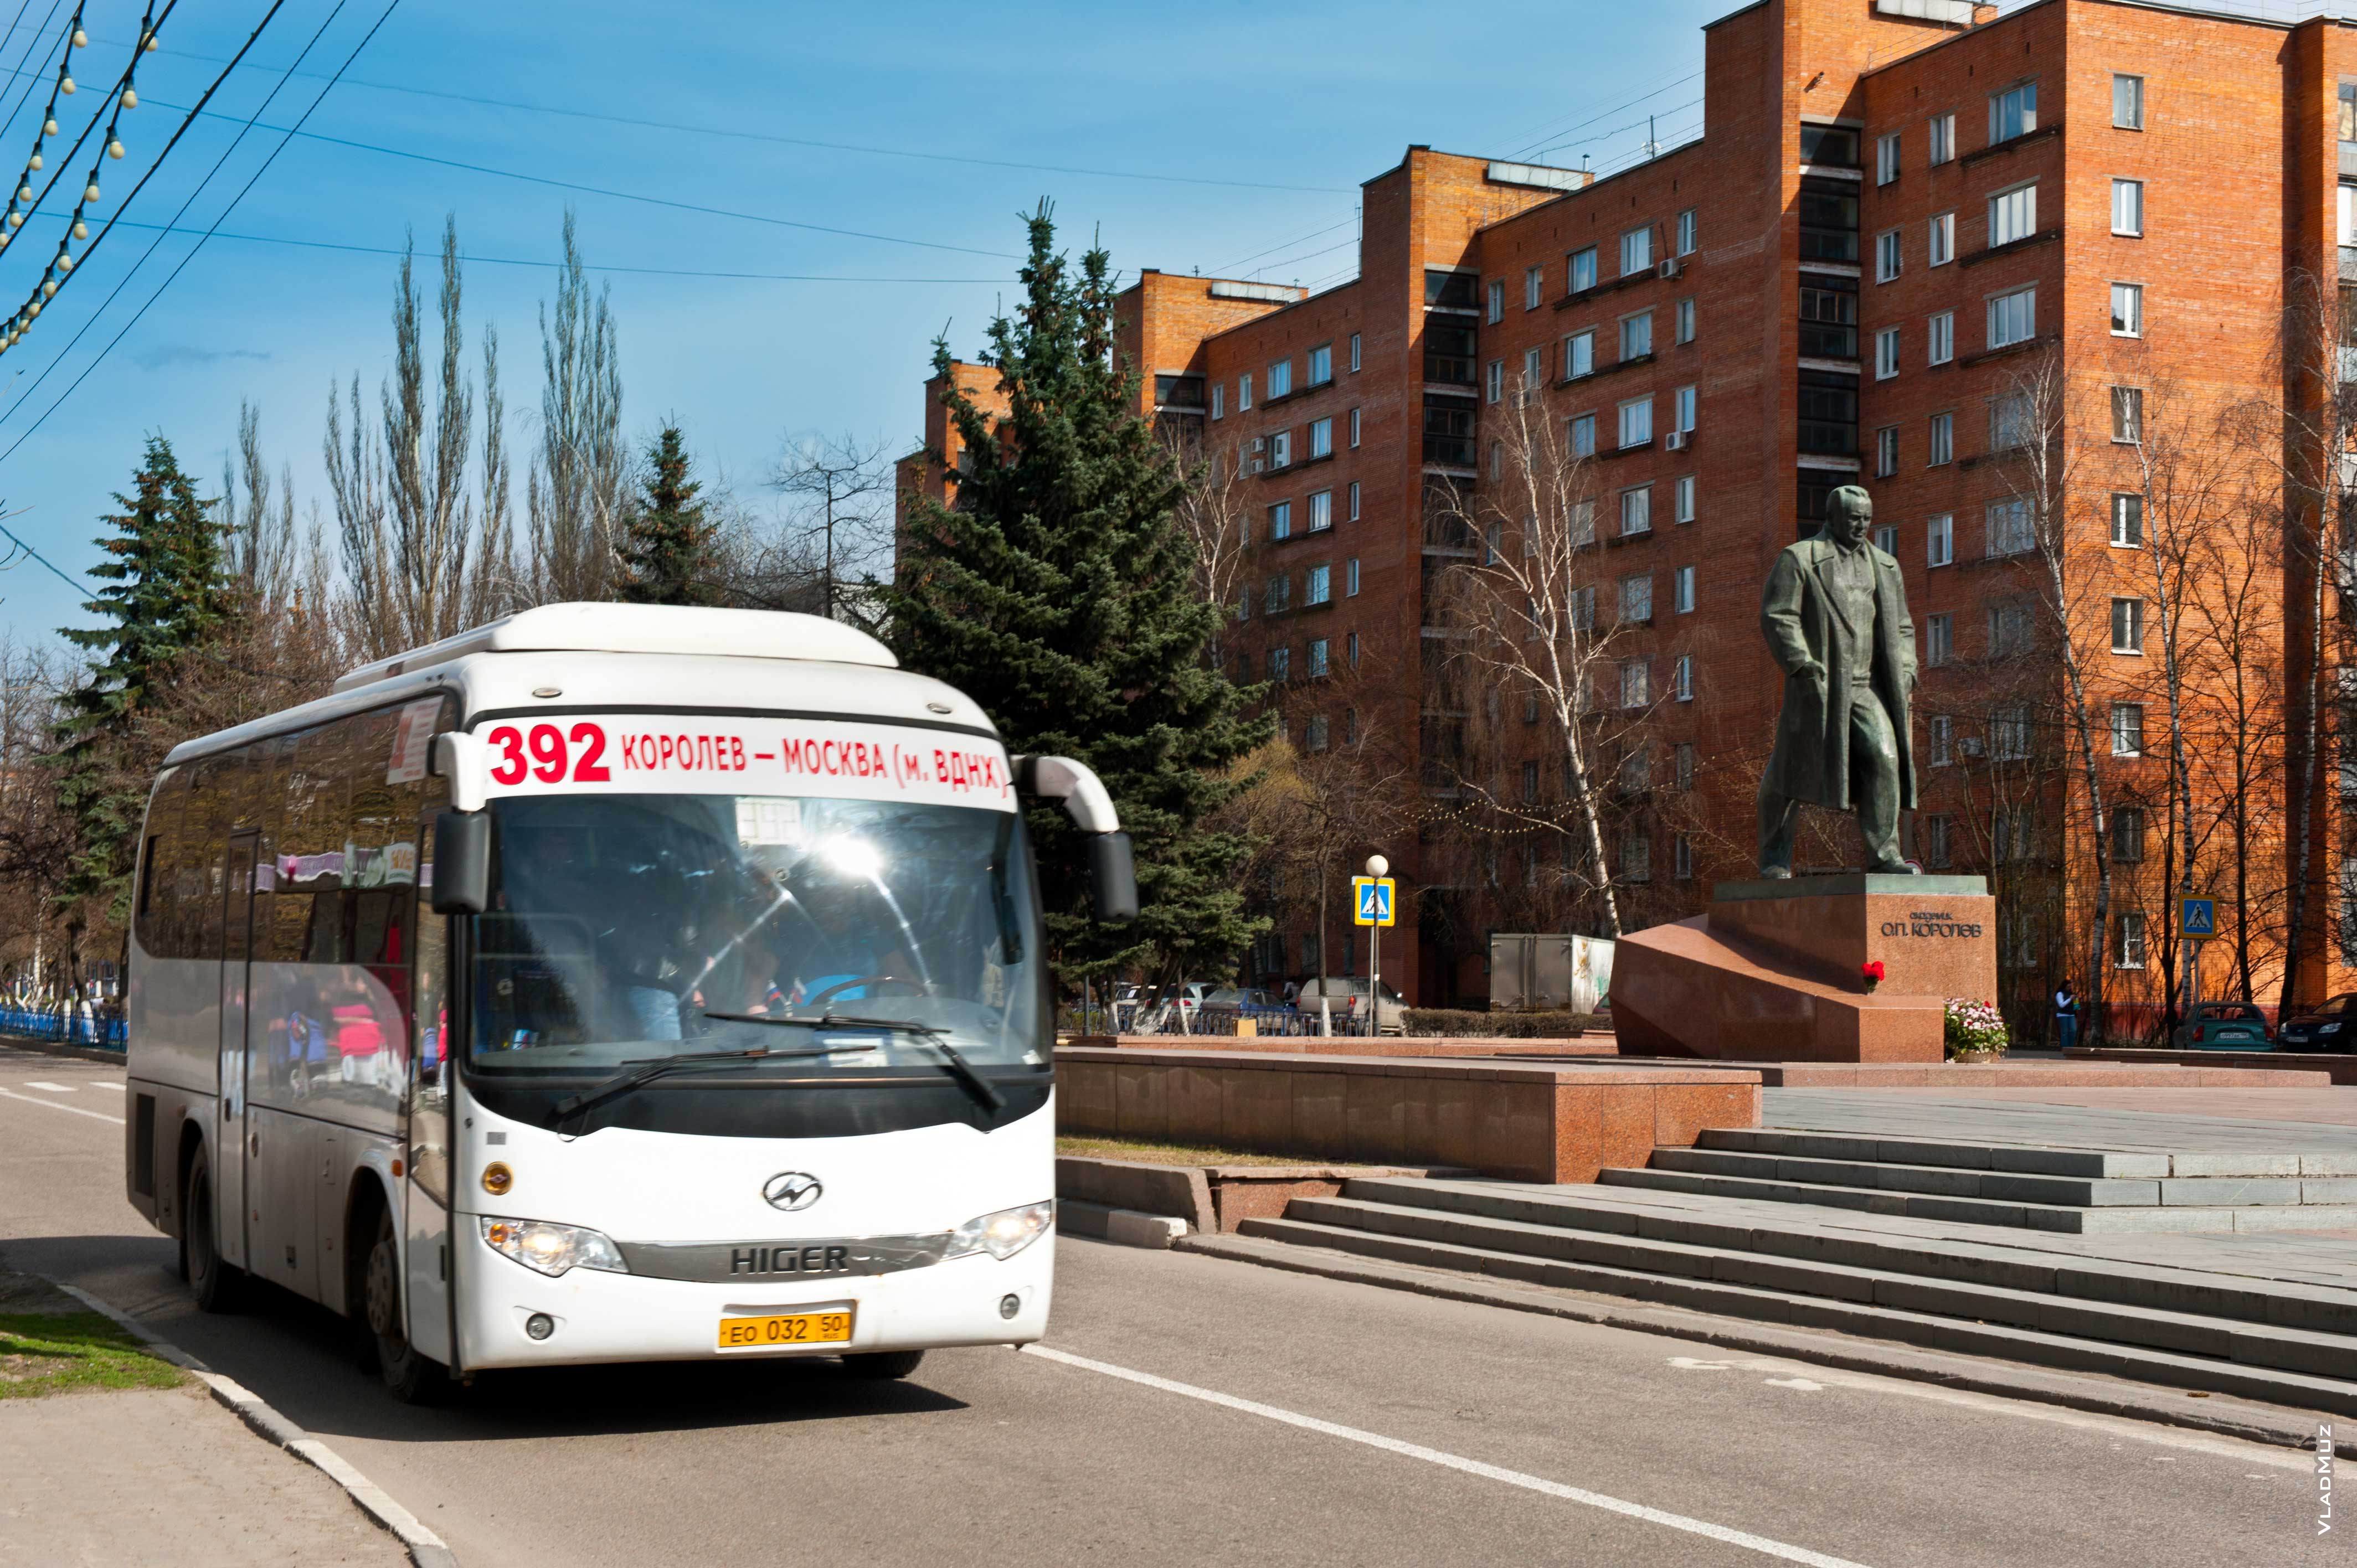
[[53, 1105], [52, 1088], [118, 1088], [1803, 1384], [1759, 1544]]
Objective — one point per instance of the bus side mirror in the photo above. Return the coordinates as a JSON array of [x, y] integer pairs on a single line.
[[462, 760], [462, 863], [1113, 878]]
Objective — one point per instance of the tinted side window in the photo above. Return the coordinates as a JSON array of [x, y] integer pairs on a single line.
[[164, 855]]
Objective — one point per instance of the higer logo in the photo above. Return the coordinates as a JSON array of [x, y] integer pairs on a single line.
[[793, 1191]]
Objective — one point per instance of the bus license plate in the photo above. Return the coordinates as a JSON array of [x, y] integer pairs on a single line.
[[786, 1328]]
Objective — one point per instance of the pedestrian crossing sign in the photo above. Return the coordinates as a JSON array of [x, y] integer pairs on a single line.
[[1371, 900], [2197, 917]]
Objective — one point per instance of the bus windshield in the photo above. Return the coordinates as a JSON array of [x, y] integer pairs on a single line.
[[629, 927]]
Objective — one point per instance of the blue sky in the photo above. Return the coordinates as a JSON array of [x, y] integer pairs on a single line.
[[1316, 97]]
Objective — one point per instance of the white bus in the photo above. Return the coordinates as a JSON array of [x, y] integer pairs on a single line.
[[609, 982]]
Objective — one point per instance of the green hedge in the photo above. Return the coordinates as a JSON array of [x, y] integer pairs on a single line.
[[1432, 1023]]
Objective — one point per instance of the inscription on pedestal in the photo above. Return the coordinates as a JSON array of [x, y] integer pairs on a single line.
[[1931, 923]]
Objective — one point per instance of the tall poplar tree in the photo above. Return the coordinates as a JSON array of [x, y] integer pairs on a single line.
[[666, 546], [1058, 592], [170, 591]]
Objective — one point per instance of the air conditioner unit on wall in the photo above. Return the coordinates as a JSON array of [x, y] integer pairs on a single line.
[[1972, 746], [1669, 268], [1675, 441]]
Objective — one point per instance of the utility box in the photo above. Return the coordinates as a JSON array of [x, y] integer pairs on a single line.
[[1546, 972]]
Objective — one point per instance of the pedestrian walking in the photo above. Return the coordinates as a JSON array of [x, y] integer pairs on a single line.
[[2066, 1016]]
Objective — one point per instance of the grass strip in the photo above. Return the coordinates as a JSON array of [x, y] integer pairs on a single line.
[[50, 1353]]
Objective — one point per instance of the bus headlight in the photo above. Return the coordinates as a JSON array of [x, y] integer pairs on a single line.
[[1003, 1234], [552, 1249]]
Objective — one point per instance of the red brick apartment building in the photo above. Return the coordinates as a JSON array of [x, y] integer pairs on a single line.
[[1900, 209]]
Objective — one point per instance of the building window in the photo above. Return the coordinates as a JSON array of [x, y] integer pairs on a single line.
[[1685, 767], [2128, 946], [1280, 379], [1636, 683], [1351, 579], [1832, 145], [1350, 653], [1219, 400], [2128, 206], [1636, 855], [1280, 664], [1885, 158], [1530, 780], [1939, 639], [2013, 215], [2127, 102], [1315, 736], [1321, 438], [2013, 317], [1941, 242], [1533, 373], [1636, 421], [1497, 462], [1637, 335], [2128, 522], [1315, 665], [1932, 837], [1316, 586], [1688, 232], [1354, 500], [1580, 435], [1280, 449], [1682, 852], [1886, 539], [2013, 112], [1682, 591], [1942, 128], [2127, 626], [1322, 364], [2009, 628], [1940, 338], [1940, 539], [1942, 730], [1579, 608], [2009, 530], [1497, 299], [1886, 353], [1578, 355], [1682, 409], [1580, 270], [1682, 499], [1885, 255], [1534, 287], [1321, 510], [1943, 440], [1354, 351], [1244, 393], [2127, 310], [2127, 729], [1280, 521], [1682, 678], [1886, 452], [1243, 602], [1583, 523], [1637, 510], [2009, 422], [1637, 250], [2009, 732], [1684, 318], [1354, 428], [2127, 415], [2127, 834], [2012, 836], [1493, 381]]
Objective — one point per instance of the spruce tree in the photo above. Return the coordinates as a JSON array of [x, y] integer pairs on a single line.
[[170, 592], [667, 544], [1060, 593]]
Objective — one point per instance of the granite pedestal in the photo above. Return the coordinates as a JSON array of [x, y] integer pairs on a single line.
[[1772, 973]]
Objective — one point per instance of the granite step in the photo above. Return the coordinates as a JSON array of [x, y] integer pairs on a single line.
[[2161, 1191], [2267, 1385], [2018, 1213], [2185, 1333], [2038, 1159]]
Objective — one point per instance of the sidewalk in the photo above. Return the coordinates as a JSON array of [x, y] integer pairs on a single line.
[[131, 1463]]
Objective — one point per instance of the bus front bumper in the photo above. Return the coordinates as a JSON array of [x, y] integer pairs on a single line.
[[594, 1316]]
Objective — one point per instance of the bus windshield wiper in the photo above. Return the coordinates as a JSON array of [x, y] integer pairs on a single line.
[[646, 1070], [970, 1080]]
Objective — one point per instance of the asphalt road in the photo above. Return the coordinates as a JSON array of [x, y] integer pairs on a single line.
[[1189, 1410]]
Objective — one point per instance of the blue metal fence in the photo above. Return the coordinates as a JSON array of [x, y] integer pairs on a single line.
[[69, 1023]]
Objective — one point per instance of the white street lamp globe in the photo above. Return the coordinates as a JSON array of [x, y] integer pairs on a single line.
[[1378, 867]]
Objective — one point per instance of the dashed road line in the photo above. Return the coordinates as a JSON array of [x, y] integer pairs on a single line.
[[53, 1105], [52, 1088]]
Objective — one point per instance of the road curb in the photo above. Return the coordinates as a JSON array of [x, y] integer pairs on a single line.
[[2275, 1427], [59, 1048], [426, 1550]]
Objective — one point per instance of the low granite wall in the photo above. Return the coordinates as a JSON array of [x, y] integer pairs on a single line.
[[1559, 1122], [1359, 1046]]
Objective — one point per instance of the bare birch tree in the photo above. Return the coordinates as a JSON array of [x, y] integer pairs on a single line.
[[580, 477], [1215, 512], [839, 494]]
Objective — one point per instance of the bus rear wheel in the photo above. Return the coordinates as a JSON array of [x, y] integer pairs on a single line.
[[883, 1365], [409, 1376], [214, 1281]]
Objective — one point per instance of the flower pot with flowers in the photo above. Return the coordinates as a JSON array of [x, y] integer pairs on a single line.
[[1975, 1031], [1870, 974]]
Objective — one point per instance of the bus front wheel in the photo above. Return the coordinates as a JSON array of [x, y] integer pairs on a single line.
[[214, 1281], [881, 1365], [411, 1377]]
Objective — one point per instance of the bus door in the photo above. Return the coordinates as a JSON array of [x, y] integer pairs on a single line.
[[425, 1124], [236, 953]]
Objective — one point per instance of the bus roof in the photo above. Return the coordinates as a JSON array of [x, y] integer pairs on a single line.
[[641, 629]]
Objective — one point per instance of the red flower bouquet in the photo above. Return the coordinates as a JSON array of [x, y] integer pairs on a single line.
[[1870, 973]]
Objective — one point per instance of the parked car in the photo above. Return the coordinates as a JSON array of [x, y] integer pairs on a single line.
[[1347, 997], [2329, 1027], [1175, 1013], [2222, 1027], [1220, 1009]]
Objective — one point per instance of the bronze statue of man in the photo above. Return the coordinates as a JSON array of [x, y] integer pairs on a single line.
[[1835, 615]]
